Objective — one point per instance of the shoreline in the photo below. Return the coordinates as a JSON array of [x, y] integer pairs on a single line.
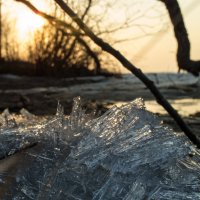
[[40, 95]]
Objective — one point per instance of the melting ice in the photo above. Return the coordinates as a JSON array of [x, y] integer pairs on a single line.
[[125, 154]]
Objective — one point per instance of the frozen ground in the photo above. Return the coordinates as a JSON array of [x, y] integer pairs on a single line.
[[34, 93], [125, 154]]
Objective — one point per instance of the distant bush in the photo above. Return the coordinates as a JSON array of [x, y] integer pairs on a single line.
[[57, 53]]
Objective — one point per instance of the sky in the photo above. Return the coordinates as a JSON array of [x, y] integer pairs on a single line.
[[157, 53], [153, 53]]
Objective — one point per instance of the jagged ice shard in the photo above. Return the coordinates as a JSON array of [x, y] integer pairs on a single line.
[[125, 154]]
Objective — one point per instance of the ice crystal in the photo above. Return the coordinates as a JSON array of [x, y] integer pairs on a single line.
[[124, 154]]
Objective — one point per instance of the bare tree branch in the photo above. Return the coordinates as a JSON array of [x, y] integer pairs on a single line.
[[137, 72], [183, 51], [77, 33], [50, 18], [126, 63], [89, 51], [87, 9]]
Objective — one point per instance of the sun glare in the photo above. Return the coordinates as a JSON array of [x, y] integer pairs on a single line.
[[28, 22]]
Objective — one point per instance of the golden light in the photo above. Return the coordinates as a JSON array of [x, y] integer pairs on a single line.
[[28, 22]]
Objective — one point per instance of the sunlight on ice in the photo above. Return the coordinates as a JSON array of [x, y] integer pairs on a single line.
[[124, 154]]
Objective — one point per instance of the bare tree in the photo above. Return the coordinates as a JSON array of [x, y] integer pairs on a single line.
[[128, 65], [101, 24], [183, 51], [56, 52], [68, 47], [137, 72]]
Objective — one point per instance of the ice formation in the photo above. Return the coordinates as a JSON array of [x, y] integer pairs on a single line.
[[125, 154]]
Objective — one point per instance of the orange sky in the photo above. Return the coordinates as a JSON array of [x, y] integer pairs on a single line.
[[152, 54]]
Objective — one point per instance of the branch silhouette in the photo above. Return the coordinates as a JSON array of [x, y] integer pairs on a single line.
[[180, 31], [128, 65], [136, 71], [62, 25]]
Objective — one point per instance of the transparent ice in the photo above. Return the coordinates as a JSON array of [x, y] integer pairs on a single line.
[[125, 154]]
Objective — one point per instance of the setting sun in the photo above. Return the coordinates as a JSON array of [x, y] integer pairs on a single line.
[[28, 22]]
